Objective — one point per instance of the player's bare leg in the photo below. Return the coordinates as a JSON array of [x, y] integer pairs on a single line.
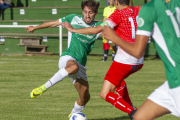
[[107, 93], [82, 88], [71, 67], [106, 88], [150, 110]]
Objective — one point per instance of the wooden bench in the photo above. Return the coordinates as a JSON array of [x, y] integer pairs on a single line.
[[38, 53], [36, 48], [32, 45]]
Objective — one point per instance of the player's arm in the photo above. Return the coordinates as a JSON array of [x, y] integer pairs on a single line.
[[44, 25], [89, 30], [137, 49], [145, 26]]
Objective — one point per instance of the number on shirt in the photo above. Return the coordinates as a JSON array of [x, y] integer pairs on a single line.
[[175, 24], [132, 27]]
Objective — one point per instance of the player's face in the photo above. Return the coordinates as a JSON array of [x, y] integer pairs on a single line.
[[111, 2], [88, 15]]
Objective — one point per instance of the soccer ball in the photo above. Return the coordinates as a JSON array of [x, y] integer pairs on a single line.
[[78, 116]]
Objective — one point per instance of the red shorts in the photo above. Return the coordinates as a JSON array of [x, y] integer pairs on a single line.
[[118, 72], [106, 46]]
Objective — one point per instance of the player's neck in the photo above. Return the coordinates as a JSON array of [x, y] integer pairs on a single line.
[[120, 7], [111, 6]]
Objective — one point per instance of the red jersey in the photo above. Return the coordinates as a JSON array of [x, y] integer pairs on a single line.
[[124, 22]]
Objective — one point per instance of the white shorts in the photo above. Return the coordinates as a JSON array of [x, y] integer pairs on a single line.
[[167, 98], [81, 72]]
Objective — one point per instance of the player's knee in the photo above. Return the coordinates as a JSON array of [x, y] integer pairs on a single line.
[[72, 69], [102, 95], [75, 68]]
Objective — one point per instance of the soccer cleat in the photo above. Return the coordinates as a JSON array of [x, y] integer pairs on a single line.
[[103, 60], [69, 115], [131, 115], [37, 91]]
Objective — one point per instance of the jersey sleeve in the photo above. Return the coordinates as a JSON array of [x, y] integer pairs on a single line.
[[99, 23], [67, 18], [112, 20], [145, 20]]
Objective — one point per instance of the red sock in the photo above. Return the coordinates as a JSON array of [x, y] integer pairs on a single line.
[[123, 92], [118, 102]]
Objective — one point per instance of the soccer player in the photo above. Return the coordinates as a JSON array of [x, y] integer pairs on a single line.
[[73, 60], [123, 20], [163, 19], [106, 13]]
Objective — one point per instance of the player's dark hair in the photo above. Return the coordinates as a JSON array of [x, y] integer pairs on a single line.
[[90, 4], [123, 2]]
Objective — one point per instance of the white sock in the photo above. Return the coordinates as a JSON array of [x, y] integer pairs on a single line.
[[59, 76], [77, 108]]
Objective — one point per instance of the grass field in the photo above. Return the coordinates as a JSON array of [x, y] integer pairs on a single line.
[[20, 74]]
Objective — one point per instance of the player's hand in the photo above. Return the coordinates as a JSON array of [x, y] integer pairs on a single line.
[[108, 33], [30, 29], [67, 26]]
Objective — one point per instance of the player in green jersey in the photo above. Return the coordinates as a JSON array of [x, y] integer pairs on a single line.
[[73, 60], [163, 22]]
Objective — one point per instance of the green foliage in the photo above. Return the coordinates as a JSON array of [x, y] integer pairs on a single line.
[[20, 74]]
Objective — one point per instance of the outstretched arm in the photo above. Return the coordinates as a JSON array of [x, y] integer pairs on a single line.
[[137, 49], [44, 25], [89, 30]]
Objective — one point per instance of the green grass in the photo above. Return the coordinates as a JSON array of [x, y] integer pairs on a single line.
[[20, 74]]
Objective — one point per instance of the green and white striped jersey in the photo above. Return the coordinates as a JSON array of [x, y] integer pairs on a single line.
[[79, 45], [162, 19]]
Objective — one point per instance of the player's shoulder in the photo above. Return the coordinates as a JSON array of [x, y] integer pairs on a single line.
[[116, 11], [136, 8], [70, 17], [73, 15], [148, 6]]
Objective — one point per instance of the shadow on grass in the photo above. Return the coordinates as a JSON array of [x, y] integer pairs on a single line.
[[117, 118]]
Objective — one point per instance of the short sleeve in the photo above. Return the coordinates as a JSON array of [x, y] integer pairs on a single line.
[[67, 18], [114, 19], [145, 20]]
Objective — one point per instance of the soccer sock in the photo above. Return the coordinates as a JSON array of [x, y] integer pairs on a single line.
[[118, 102], [113, 55], [59, 76], [114, 48], [123, 92], [105, 54], [77, 108]]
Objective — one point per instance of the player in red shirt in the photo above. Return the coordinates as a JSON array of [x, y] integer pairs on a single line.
[[123, 20]]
